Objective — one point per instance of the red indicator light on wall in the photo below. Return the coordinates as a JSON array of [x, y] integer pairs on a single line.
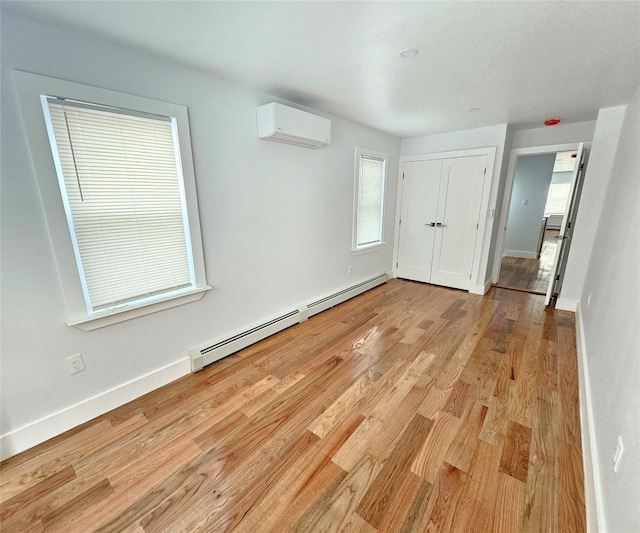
[[552, 121]]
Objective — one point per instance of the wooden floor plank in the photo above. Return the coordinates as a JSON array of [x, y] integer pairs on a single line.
[[515, 452], [444, 502], [402, 511], [378, 498], [508, 508], [571, 506], [336, 513], [411, 408], [460, 453], [429, 460]]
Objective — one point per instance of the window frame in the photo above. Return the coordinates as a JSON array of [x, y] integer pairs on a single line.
[[30, 89], [371, 154]]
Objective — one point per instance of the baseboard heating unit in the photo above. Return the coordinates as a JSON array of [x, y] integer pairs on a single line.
[[241, 339]]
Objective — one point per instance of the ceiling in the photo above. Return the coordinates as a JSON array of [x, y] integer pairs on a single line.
[[518, 62]]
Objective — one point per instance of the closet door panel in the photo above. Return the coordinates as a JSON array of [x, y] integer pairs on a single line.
[[420, 191], [458, 214]]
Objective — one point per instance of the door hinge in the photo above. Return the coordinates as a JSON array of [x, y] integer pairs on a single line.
[[396, 265], [582, 166], [558, 277], [403, 175], [400, 223], [478, 224], [568, 224], [485, 171], [469, 276]]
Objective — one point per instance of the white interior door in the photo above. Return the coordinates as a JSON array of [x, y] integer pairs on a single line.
[[564, 235], [461, 188], [420, 189]]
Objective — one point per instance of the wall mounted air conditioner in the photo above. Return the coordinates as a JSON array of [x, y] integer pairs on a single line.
[[277, 122]]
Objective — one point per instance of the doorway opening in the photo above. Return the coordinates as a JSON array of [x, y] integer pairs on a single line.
[[539, 210]]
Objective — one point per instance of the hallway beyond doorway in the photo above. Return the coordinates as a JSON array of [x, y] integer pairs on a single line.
[[530, 275]]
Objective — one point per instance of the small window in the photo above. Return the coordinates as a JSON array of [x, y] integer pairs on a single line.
[[369, 199], [125, 178]]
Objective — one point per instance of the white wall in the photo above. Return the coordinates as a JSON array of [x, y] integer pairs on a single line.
[[610, 311], [466, 140], [596, 180], [456, 140], [548, 135], [276, 224], [530, 187]]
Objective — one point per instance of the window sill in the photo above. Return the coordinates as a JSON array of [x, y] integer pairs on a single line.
[[367, 249], [113, 316]]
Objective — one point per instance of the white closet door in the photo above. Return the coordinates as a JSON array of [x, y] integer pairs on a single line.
[[457, 220], [419, 209]]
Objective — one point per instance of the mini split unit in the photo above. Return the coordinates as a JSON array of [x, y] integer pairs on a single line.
[[281, 123]]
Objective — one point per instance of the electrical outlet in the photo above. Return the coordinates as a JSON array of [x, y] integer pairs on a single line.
[[75, 364], [617, 455]]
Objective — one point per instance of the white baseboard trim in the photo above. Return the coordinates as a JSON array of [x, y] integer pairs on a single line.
[[481, 289], [50, 426], [34, 433], [520, 254], [567, 304], [592, 490]]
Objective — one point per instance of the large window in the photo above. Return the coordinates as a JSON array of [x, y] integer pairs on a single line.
[[125, 178], [369, 199]]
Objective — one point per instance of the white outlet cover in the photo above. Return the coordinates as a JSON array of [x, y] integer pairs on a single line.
[[617, 455], [75, 364]]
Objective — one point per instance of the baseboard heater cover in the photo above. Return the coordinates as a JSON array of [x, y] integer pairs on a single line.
[[237, 341], [342, 296]]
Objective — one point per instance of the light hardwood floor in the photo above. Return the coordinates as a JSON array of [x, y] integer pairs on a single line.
[[409, 408], [531, 275]]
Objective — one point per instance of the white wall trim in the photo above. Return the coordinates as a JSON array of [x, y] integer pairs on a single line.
[[34, 433], [480, 289], [520, 253], [50, 426], [592, 485], [567, 304], [508, 189]]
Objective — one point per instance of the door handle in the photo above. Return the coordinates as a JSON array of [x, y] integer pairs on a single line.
[[440, 225], [432, 224]]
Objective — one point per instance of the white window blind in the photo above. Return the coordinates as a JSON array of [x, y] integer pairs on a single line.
[[122, 186], [370, 201]]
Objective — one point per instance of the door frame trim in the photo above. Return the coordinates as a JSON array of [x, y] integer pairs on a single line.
[[483, 240], [508, 190]]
